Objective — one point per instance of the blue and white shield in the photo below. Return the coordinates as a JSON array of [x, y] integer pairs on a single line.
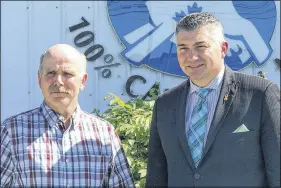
[[147, 30]]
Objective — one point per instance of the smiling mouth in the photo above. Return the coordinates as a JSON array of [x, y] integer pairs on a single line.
[[195, 66]]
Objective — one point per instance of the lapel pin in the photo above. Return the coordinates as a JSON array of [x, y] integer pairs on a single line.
[[225, 97]]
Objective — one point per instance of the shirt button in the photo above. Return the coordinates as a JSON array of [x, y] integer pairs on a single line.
[[197, 176], [67, 160], [68, 185]]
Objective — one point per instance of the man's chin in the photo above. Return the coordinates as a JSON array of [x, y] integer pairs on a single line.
[[196, 76], [59, 101]]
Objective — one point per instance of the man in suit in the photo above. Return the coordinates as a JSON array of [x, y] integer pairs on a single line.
[[219, 127]]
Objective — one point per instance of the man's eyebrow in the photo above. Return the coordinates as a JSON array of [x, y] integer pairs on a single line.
[[50, 69], [196, 43], [68, 69], [200, 42], [180, 45]]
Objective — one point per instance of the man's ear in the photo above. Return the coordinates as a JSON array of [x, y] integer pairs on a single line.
[[83, 81], [224, 48], [39, 78]]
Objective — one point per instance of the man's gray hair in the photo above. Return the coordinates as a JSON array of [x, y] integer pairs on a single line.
[[41, 61], [196, 20], [46, 53]]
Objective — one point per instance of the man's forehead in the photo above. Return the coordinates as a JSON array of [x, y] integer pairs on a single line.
[[63, 53], [62, 65], [201, 31], [61, 58], [58, 64], [182, 41], [195, 36], [63, 50]]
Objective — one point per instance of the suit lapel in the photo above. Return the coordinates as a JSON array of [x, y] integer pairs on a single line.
[[180, 123], [229, 87]]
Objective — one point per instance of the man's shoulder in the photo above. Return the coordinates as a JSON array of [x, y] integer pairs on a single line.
[[174, 91], [251, 82], [94, 119], [22, 116]]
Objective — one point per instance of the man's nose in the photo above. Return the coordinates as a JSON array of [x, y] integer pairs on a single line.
[[59, 80], [192, 55]]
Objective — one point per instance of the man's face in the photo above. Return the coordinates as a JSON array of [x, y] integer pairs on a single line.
[[61, 81], [200, 54]]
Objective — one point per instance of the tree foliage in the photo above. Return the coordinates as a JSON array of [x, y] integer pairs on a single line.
[[132, 122]]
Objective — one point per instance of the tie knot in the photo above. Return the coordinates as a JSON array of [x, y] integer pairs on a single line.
[[203, 93]]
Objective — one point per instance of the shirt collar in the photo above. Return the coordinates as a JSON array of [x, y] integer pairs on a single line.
[[213, 85], [53, 117]]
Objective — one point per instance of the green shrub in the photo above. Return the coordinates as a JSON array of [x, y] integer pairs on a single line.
[[262, 74], [132, 122]]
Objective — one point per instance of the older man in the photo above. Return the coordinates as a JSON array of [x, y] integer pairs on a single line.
[[58, 144], [218, 128]]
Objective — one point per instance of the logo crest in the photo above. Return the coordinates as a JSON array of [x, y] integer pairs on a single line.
[[147, 30]]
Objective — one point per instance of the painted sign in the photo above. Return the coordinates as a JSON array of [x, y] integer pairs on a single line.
[[146, 29], [95, 51]]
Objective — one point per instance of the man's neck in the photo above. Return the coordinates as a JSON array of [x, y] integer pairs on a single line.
[[67, 116], [205, 83], [65, 112]]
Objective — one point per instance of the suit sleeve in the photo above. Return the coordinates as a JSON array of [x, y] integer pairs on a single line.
[[270, 134], [157, 164]]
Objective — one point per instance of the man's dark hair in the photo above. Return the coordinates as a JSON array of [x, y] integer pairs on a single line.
[[196, 20]]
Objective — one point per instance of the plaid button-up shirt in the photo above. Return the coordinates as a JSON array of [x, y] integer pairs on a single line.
[[36, 151]]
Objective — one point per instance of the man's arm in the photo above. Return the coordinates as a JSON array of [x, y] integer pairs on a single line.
[[157, 165], [121, 175], [7, 166], [270, 134]]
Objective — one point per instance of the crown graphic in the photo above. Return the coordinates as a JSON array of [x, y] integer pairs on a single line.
[[194, 8]]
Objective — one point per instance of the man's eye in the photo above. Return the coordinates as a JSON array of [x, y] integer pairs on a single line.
[[51, 73], [202, 46], [68, 74]]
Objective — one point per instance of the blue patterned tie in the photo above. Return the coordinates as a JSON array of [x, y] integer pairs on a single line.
[[198, 122]]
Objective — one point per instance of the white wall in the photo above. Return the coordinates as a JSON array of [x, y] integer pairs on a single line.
[[28, 28]]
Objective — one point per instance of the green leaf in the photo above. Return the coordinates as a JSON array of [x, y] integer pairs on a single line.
[[129, 160], [128, 106], [147, 122], [120, 102], [107, 97], [131, 142], [151, 103], [138, 120], [142, 173], [112, 102], [131, 120]]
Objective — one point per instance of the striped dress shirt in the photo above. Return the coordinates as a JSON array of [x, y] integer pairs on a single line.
[[37, 151], [211, 99]]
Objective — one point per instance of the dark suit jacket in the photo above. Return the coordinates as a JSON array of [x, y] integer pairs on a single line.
[[229, 159]]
